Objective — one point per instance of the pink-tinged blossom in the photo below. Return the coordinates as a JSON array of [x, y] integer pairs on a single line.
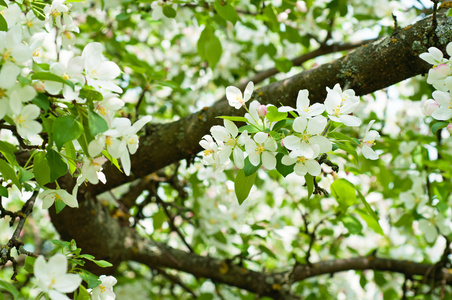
[[104, 291], [428, 106], [444, 111]]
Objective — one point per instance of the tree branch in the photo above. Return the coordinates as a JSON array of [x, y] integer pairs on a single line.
[[369, 68]]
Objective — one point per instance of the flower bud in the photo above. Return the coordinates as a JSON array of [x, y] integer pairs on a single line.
[[449, 128], [39, 86], [262, 110], [428, 106]]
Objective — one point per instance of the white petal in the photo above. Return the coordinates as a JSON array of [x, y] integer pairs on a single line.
[[255, 158], [323, 143], [369, 153], [268, 160], [313, 167], [231, 128], [288, 161], [348, 120], [260, 137], [302, 100], [316, 125], [67, 283], [299, 124], [248, 91]]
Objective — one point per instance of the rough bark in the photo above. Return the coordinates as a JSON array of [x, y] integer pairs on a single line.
[[367, 69]]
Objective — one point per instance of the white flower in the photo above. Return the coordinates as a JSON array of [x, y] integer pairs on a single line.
[[303, 108], [51, 196], [440, 77], [228, 136], [234, 95], [339, 105], [368, 141], [256, 115], [71, 72], [303, 165], [104, 291], [434, 56], [444, 112], [108, 106], [428, 106], [262, 146], [12, 47], [309, 142], [91, 169], [53, 279], [99, 72], [24, 117]]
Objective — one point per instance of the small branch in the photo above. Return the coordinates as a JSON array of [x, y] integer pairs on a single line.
[[140, 99], [176, 280]]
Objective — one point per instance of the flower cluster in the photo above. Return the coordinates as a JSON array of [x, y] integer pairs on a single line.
[[283, 138], [440, 76], [60, 98]]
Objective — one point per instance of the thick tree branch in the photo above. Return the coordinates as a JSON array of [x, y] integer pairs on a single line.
[[367, 69]]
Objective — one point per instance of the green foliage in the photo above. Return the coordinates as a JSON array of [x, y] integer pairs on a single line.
[[243, 185]]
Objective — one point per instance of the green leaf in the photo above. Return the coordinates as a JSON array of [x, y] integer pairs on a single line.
[[267, 251], [344, 193], [29, 264], [169, 11], [226, 11], [249, 129], [42, 101], [449, 12], [243, 185], [3, 3], [97, 124], [283, 64], [65, 129], [51, 77], [3, 24], [58, 166], [8, 151], [437, 126], [113, 160], [310, 184], [91, 279], [25, 175], [71, 156], [249, 168], [37, 7], [352, 224], [273, 115], [209, 46], [341, 137], [371, 222], [282, 168], [90, 94], [282, 124], [347, 148], [3, 191], [158, 219], [83, 293], [103, 263], [369, 209], [231, 118], [8, 287], [41, 169], [8, 173], [59, 205]]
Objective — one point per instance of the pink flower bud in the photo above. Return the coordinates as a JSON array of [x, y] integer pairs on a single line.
[[262, 110], [428, 106], [449, 128], [442, 69]]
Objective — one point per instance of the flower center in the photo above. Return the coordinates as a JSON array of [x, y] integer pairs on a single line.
[[231, 142], [102, 288], [65, 76], [305, 138], [208, 152], [260, 149], [301, 159], [370, 143], [2, 93]]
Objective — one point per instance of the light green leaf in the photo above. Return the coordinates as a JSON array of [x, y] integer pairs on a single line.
[[8, 173], [97, 124], [103, 263], [283, 64], [83, 293], [29, 264], [249, 129], [66, 129], [91, 279], [369, 209], [371, 222], [3, 3], [158, 219], [59, 205], [232, 118], [352, 224], [8, 151], [58, 166], [226, 11], [243, 185], [273, 115], [344, 193], [8, 287], [51, 77], [341, 137], [41, 169], [37, 6], [209, 46], [71, 155]]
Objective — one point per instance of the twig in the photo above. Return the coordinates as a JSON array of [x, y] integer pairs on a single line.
[[176, 280]]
